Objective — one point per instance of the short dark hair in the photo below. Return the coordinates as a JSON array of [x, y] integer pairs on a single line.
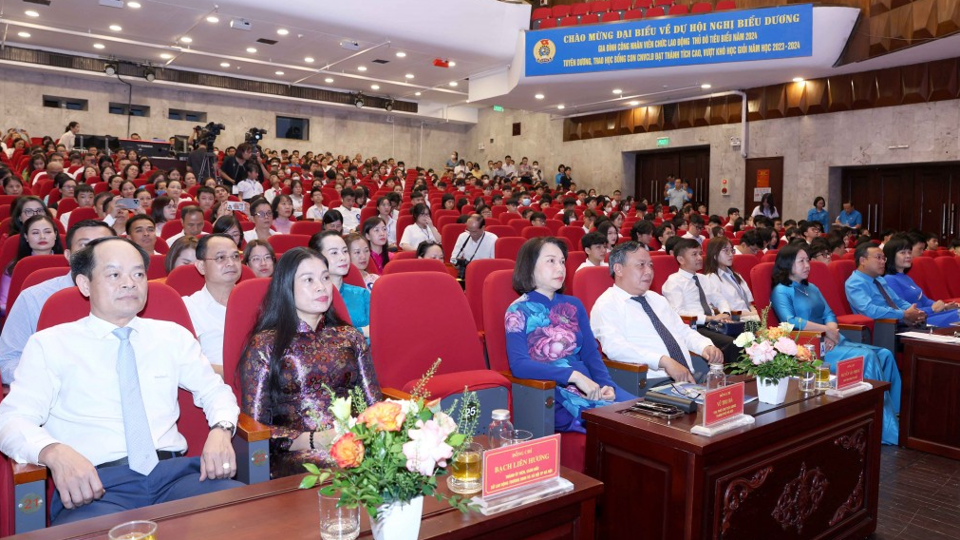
[[347, 192], [424, 246], [670, 245], [316, 240], [205, 240], [685, 244], [896, 244], [696, 220], [861, 252], [733, 210], [523, 280], [418, 210], [192, 209], [618, 254], [136, 218], [87, 223], [592, 239], [538, 215], [83, 262], [783, 266]]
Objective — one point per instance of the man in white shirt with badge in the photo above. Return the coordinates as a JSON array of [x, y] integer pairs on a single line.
[[474, 243], [637, 326], [218, 261], [96, 400]]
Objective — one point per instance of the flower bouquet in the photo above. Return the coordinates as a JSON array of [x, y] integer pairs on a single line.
[[772, 356], [390, 454]]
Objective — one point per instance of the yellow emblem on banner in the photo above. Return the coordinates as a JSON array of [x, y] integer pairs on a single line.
[[544, 51]]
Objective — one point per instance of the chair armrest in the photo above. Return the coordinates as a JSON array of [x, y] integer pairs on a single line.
[[624, 366], [537, 384], [24, 473], [630, 377], [250, 430], [393, 393], [687, 319], [852, 327], [888, 321]]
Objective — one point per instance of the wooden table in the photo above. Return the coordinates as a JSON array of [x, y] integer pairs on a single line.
[[278, 509], [808, 468], [929, 405]]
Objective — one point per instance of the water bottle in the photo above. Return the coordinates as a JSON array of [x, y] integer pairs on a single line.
[[716, 378], [500, 428]]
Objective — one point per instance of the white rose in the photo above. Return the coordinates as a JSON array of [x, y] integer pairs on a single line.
[[744, 339], [787, 327]]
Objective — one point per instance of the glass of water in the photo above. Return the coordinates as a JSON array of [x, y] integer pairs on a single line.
[[336, 522]]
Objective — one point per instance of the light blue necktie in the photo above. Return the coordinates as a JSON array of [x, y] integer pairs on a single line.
[[141, 453]]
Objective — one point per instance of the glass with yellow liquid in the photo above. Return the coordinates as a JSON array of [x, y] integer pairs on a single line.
[[134, 530], [465, 470], [823, 377]]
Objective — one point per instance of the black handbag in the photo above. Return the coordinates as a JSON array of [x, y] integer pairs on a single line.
[[731, 328]]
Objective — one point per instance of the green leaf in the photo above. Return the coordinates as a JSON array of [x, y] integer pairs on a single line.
[[328, 490], [457, 439], [308, 481], [312, 468]]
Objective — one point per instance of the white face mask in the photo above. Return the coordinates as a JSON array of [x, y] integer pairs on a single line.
[[526, 202]]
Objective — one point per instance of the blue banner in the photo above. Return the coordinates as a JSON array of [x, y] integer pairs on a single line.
[[712, 38]]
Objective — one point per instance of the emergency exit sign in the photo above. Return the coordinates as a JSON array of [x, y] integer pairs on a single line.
[[663, 142]]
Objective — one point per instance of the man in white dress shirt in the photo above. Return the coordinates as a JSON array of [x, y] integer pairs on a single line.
[[638, 326], [77, 404], [218, 261], [473, 243], [689, 297], [350, 213], [192, 219]]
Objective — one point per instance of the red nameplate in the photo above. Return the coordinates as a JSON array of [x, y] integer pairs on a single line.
[[722, 404], [522, 464], [849, 372]]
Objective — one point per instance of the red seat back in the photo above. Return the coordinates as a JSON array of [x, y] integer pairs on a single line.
[[500, 230], [158, 268], [574, 260], [760, 276], [590, 283], [28, 266], [701, 7], [742, 264], [949, 266], [448, 238], [590, 18], [678, 9], [841, 270], [81, 214], [171, 228], [66, 205], [654, 12], [663, 267], [414, 265], [535, 232], [308, 228], [404, 304], [507, 247], [282, 243], [498, 294], [477, 272], [927, 275], [574, 234]]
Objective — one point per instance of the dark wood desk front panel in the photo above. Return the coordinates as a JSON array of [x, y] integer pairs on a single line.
[[807, 469], [930, 402]]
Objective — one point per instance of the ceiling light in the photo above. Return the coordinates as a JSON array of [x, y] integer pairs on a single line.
[[149, 74], [166, 56], [213, 19], [111, 68], [798, 79], [561, 107], [282, 31], [417, 93], [133, 5], [389, 105], [224, 64], [409, 75], [308, 59], [633, 103], [278, 72], [23, 34], [98, 45], [706, 86], [328, 80], [115, 27], [361, 68], [452, 63], [31, 13], [453, 83], [539, 96], [358, 100], [374, 86], [617, 91], [251, 50], [186, 39], [401, 54]]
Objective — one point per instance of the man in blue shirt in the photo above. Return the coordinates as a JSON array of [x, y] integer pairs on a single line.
[[869, 295], [849, 217], [22, 320]]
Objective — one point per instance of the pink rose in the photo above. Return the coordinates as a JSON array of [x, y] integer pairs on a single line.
[[564, 315], [514, 321], [427, 448], [786, 346], [761, 353], [551, 343]]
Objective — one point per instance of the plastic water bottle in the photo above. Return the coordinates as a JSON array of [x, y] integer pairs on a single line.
[[716, 378], [500, 428]]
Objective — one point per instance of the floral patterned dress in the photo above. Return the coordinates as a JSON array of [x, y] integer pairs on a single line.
[[549, 339], [337, 356]]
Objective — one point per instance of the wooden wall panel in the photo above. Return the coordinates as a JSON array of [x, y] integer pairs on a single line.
[[924, 19], [919, 83], [948, 17]]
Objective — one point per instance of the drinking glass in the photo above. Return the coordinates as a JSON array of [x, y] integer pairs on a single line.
[[518, 436], [337, 523], [465, 470], [134, 530], [808, 381], [823, 377]]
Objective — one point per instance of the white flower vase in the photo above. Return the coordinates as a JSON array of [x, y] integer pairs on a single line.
[[773, 392], [398, 521]]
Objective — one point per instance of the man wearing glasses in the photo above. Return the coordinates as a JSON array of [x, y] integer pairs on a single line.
[[869, 294], [218, 261]]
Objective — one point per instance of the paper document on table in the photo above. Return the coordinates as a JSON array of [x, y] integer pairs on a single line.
[[939, 338]]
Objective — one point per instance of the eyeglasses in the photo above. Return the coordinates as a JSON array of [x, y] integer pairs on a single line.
[[728, 250], [31, 213], [224, 257], [878, 257], [260, 259], [263, 214]]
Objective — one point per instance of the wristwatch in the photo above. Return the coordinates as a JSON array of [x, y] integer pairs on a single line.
[[223, 424]]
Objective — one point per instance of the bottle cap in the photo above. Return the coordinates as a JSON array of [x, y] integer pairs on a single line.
[[500, 414]]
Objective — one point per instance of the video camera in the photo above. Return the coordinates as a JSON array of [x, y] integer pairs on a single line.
[[207, 134], [253, 137]]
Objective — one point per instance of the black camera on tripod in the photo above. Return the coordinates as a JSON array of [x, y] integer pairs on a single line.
[[253, 137], [208, 134]]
